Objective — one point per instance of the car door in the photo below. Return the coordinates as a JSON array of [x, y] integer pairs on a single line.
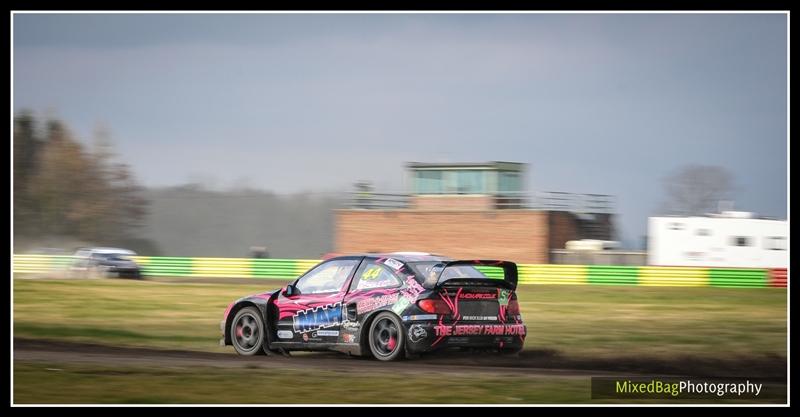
[[375, 286], [314, 313]]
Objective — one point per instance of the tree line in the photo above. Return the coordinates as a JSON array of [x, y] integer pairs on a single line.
[[64, 188]]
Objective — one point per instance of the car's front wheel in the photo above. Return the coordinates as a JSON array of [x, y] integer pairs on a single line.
[[247, 331], [386, 337]]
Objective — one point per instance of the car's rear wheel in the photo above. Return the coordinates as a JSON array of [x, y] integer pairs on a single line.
[[386, 338], [247, 332]]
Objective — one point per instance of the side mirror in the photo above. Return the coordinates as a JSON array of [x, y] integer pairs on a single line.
[[290, 290]]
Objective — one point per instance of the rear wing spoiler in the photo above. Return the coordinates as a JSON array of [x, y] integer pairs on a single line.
[[510, 274]]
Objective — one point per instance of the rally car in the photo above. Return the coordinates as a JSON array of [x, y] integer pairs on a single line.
[[388, 306], [105, 262]]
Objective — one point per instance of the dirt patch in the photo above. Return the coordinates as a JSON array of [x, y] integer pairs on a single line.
[[532, 362]]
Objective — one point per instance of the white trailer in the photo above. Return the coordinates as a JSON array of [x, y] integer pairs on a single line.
[[729, 239]]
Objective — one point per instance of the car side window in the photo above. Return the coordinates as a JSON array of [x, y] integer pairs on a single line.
[[374, 275], [327, 277]]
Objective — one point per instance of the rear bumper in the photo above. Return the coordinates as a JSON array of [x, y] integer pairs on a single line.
[[428, 336]]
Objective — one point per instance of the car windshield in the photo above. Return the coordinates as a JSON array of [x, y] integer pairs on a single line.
[[430, 271]]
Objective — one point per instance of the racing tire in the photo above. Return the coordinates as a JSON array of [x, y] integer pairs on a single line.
[[247, 332], [387, 340]]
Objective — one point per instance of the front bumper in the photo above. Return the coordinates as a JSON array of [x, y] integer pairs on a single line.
[[125, 272]]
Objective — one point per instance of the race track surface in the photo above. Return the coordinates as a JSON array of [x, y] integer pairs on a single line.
[[529, 362]]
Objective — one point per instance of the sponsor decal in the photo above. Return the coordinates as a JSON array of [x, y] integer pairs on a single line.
[[480, 330], [317, 318], [305, 337], [413, 288], [502, 298], [409, 295], [327, 333], [479, 296], [393, 263], [373, 303], [349, 338], [458, 340], [371, 273], [417, 333], [386, 281], [479, 318], [401, 305], [419, 317], [285, 334], [351, 326]]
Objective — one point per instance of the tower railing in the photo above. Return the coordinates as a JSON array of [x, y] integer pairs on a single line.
[[547, 200]]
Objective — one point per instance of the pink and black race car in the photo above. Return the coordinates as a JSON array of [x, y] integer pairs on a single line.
[[389, 306]]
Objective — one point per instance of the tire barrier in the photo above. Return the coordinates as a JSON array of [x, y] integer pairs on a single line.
[[39, 264], [286, 269], [738, 277], [552, 274], [166, 266], [612, 275], [669, 276], [778, 277]]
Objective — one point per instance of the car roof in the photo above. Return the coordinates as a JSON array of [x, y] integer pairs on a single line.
[[109, 250], [409, 256]]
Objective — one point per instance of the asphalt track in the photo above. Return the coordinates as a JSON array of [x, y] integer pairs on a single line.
[[529, 362]]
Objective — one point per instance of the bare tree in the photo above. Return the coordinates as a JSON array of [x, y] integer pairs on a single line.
[[697, 189]]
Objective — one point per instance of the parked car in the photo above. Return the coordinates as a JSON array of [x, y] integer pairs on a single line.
[[389, 306], [105, 263]]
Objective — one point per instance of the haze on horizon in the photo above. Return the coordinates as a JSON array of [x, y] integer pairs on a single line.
[[598, 103]]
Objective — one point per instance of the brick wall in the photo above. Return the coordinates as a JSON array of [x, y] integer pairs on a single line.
[[517, 235], [449, 202], [563, 227]]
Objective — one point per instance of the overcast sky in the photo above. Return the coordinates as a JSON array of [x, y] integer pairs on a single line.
[[594, 103]]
